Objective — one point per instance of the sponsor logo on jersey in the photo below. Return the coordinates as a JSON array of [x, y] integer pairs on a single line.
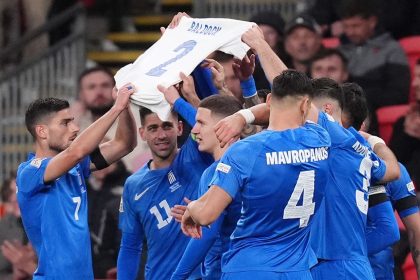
[[410, 187], [297, 156], [222, 167], [36, 162], [138, 196]]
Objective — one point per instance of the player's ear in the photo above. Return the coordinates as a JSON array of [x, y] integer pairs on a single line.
[[141, 132], [268, 99], [41, 131], [180, 128]]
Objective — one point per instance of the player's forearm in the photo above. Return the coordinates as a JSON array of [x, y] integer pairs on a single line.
[[186, 110], [261, 113], [412, 224], [129, 256], [125, 139], [392, 167], [270, 62]]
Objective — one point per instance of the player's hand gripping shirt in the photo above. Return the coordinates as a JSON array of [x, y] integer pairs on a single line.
[[54, 215], [280, 177]]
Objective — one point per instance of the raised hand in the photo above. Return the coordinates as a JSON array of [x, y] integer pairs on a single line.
[[187, 88], [244, 68], [171, 93], [253, 37], [229, 129], [122, 96]]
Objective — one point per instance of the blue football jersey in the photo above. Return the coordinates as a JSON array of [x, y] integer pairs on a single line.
[[54, 215], [211, 268], [401, 192], [147, 200], [280, 177], [338, 232]]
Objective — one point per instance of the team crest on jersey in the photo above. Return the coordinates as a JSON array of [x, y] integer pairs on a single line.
[[121, 209], [36, 162], [223, 167], [410, 187], [171, 177]]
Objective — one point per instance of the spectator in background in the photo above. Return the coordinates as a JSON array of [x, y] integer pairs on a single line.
[[94, 100], [272, 26], [405, 140], [376, 61], [17, 260], [303, 41], [105, 188], [329, 63], [399, 17]]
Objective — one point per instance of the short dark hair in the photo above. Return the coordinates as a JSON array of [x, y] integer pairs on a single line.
[[328, 88], [327, 52], [41, 108], [355, 104], [144, 112], [362, 8], [222, 57], [92, 70], [418, 62], [291, 83], [262, 93], [221, 105]]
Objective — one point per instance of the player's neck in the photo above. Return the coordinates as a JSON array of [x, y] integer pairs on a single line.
[[218, 152], [158, 162], [44, 152], [285, 118]]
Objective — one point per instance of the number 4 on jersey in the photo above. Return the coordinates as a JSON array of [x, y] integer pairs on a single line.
[[305, 184]]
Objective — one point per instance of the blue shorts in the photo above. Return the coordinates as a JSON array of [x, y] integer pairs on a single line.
[[254, 275], [344, 270]]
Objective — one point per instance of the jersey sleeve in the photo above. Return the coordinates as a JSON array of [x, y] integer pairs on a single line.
[[129, 222], [378, 168], [85, 166], [402, 194], [31, 178], [233, 169]]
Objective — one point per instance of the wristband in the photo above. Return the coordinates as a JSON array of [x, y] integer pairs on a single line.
[[248, 87], [373, 140], [248, 115]]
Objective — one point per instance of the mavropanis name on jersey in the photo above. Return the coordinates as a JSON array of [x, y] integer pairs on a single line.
[[297, 156]]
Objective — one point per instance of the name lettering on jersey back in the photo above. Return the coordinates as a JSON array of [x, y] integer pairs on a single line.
[[204, 29], [297, 156], [361, 149]]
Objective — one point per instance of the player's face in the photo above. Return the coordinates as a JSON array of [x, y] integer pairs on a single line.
[[302, 43], [161, 137], [416, 81], [204, 130], [329, 67], [359, 29], [96, 92], [61, 130]]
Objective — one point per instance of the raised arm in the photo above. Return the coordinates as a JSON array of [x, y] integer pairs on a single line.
[[270, 62], [89, 139]]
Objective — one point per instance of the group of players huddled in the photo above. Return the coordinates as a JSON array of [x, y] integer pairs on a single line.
[[308, 197]]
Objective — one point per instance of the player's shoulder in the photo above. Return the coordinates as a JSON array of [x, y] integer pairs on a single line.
[[134, 181], [403, 186], [314, 132]]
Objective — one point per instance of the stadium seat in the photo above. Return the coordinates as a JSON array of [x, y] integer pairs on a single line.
[[411, 47], [387, 116], [332, 42]]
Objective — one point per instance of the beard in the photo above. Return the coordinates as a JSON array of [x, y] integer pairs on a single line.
[[57, 148], [100, 110]]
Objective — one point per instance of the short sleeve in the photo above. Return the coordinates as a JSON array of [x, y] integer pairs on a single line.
[[128, 221], [85, 166], [233, 169], [378, 168], [30, 179]]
